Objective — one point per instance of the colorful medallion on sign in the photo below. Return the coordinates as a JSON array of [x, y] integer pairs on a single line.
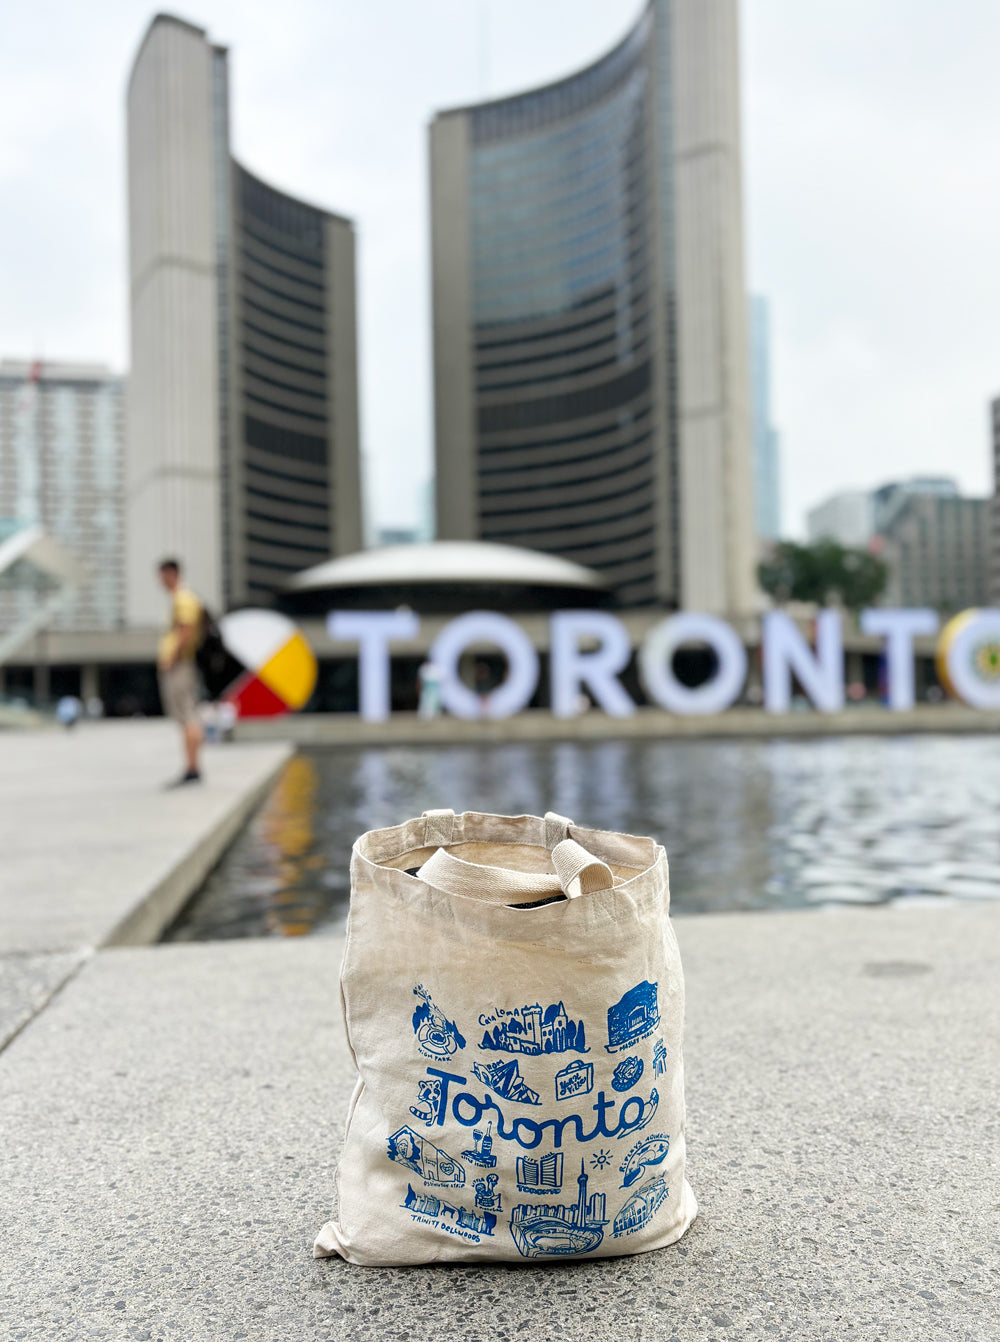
[[278, 666]]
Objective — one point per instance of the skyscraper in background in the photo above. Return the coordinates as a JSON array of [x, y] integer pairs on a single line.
[[61, 466], [766, 461], [590, 320], [847, 517], [242, 444]]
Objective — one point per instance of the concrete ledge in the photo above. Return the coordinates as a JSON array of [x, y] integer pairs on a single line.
[[540, 725], [160, 904], [28, 983], [95, 852]]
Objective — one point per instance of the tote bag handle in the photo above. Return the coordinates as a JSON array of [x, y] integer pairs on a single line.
[[577, 873]]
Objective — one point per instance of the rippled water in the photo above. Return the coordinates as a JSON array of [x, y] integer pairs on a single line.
[[746, 824]]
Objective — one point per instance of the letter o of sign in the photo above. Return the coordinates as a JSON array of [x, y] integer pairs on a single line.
[[659, 681], [970, 650], [483, 626]]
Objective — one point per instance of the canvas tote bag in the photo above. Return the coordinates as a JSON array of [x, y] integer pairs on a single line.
[[514, 1003]]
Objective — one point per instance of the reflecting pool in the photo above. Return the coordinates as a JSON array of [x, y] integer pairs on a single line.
[[746, 824]]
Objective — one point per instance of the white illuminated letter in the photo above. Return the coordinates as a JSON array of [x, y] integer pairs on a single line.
[[597, 670], [973, 658], [373, 629], [658, 678], [522, 665], [899, 628], [821, 674]]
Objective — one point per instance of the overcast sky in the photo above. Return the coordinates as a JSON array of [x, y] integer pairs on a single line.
[[871, 135]]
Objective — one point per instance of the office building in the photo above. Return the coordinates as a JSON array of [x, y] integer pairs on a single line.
[[766, 463], [994, 543], [61, 467], [242, 443], [890, 497], [937, 546], [590, 320], [847, 517]]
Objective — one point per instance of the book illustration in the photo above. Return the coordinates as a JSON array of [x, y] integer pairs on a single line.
[[482, 1150], [642, 1206], [627, 1073], [447, 1215], [576, 1078], [633, 1017], [533, 1030], [434, 1166], [540, 1175], [437, 1037], [541, 1230], [506, 1079]]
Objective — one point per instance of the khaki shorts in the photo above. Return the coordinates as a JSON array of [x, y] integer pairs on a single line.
[[179, 692]]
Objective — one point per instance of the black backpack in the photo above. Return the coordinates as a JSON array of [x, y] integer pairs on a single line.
[[218, 667]]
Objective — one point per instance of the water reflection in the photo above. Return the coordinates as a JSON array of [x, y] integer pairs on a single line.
[[746, 824]]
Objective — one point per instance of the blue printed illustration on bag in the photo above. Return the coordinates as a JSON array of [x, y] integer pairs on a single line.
[[576, 1078], [644, 1155], [627, 1073], [642, 1206], [506, 1079], [434, 1166], [544, 1175], [431, 1100], [487, 1198], [600, 1159], [632, 1018], [482, 1151], [437, 1037], [440, 1091], [428, 1210], [540, 1230], [659, 1058], [529, 1029]]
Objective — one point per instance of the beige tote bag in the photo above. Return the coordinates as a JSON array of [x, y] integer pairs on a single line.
[[514, 1002]]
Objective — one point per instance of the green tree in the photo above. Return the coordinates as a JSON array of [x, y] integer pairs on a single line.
[[822, 572]]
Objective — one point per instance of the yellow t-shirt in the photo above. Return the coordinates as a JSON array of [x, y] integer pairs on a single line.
[[185, 609]]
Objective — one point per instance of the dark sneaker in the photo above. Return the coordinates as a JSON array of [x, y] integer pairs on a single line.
[[192, 776]]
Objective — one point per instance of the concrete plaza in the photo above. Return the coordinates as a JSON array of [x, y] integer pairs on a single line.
[[171, 1114]]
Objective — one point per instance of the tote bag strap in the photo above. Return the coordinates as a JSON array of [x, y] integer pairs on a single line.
[[577, 873]]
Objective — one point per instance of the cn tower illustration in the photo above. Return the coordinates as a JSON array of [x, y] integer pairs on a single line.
[[570, 1228]]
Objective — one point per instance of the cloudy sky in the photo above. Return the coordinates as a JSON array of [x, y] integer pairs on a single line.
[[871, 131]]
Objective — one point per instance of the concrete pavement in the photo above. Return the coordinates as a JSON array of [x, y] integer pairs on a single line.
[[172, 1121]]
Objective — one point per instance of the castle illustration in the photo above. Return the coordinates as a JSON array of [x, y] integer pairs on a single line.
[[533, 1030], [635, 1016], [642, 1206], [421, 1204], [540, 1230]]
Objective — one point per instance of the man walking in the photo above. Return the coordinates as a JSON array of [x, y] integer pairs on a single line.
[[177, 670]]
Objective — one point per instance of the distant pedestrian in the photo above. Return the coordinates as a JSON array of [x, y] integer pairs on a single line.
[[177, 670], [429, 679], [68, 710]]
